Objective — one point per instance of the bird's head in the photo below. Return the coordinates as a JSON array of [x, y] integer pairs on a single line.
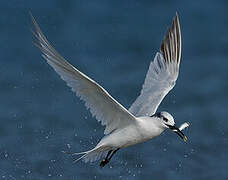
[[167, 121]]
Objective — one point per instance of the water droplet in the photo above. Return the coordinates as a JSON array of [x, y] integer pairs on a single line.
[[19, 126]]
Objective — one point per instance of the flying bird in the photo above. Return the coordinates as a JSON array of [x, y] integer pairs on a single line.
[[123, 127]]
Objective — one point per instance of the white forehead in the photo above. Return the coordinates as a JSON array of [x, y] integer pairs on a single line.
[[168, 116]]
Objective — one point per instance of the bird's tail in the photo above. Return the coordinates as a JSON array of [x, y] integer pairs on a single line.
[[91, 155]]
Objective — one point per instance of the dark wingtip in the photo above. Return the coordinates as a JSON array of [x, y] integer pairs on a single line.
[[171, 44], [177, 14]]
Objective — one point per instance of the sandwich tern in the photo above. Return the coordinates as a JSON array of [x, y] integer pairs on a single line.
[[140, 122]]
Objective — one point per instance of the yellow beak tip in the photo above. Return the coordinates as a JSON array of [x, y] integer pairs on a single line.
[[185, 138]]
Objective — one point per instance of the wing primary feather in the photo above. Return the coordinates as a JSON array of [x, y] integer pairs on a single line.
[[162, 74], [100, 103], [179, 44], [171, 44]]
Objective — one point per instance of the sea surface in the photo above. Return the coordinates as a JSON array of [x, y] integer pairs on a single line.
[[113, 42]]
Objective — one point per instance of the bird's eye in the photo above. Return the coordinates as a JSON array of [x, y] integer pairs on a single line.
[[165, 119]]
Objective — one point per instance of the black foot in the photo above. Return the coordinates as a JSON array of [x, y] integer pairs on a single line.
[[104, 162]]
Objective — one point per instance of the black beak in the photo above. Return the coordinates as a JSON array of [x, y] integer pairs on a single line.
[[177, 130]]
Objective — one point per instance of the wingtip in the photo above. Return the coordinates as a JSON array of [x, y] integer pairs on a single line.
[[177, 16], [176, 20], [30, 13], [32, 18], [171, 44]]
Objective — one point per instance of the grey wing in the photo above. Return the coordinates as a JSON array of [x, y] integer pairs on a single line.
[[100, 103], [162, 74]]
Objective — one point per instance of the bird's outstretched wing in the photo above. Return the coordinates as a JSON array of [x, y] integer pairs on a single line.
[[162, 74], [100, 103]]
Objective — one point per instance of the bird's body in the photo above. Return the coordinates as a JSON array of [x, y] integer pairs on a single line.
[[143, 129], [124, 127]]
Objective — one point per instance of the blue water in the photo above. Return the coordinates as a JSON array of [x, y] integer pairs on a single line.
[[113, 42]]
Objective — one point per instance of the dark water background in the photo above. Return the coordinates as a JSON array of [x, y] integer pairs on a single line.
[[113, 42]]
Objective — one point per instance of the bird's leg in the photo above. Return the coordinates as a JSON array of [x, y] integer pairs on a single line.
[[107, 159], [114, 152]]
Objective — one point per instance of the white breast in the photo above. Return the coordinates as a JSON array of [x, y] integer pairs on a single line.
[[146, 128], [150, 127]]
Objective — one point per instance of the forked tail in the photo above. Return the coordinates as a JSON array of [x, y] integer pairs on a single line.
[[91, 155]]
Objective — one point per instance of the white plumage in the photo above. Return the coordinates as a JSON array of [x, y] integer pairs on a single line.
[[102, 105], [162, 74], [123, 127]]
